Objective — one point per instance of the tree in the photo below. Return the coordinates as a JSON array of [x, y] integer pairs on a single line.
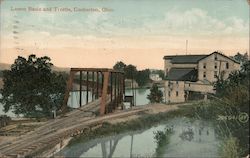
[[142, 77], [120, 66], [130, 71], [242, 58], [31, 88], [155, 95], [235, 89], [161, 73]]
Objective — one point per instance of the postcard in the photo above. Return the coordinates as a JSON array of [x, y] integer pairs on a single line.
[[124, 78]]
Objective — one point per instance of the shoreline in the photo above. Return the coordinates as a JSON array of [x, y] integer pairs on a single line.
[[155, 114]]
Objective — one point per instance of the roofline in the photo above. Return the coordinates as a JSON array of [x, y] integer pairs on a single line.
[[206, 55], [171, 56], [222, 55]]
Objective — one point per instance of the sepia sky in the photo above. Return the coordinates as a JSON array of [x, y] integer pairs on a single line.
[[97, 33]]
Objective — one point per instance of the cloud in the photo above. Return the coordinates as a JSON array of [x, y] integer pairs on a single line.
[[196, 21]]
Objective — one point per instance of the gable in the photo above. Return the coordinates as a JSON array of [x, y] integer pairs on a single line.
[[220, 54]]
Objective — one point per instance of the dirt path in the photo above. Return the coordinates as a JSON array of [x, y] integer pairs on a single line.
[[150, 109]]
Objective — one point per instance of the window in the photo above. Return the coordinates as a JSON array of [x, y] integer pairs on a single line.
[[204, 65], [177, 93], [215, 57], [204, 75], [169, 84], [227, 66], [176, 82], [215, 65], [169, 94], [189, 85], [215, 74]]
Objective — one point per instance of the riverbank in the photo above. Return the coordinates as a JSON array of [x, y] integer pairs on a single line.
[[133, 119], [155, 114], [209, 130]]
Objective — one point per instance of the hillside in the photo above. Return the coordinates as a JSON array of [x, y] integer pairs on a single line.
[[4, 66]]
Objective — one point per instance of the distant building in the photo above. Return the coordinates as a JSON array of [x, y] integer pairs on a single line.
[[155, 77], [192, 76]]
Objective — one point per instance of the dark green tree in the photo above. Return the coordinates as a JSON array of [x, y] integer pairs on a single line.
[[120, 66], [130, 71], [156, 95], [31, 88], [142, 77], [242, 58]]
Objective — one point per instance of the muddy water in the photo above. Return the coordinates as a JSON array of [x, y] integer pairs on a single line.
[[190, 138]]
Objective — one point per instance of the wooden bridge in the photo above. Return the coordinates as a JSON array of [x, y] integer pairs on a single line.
[[91, 115]]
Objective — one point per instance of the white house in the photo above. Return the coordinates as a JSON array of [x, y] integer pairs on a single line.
[[155, 77]]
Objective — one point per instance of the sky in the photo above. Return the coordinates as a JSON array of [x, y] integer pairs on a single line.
[[98, 33]]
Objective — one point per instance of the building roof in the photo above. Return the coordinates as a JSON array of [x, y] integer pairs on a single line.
[[192, 59], [230, 58], [185, 59], [182, 74]]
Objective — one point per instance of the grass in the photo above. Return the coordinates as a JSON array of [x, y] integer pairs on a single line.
[[230, 148], [233, 132]]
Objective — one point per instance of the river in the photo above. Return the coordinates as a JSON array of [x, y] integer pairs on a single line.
[[190, 138], [141, 97], [73, 101]]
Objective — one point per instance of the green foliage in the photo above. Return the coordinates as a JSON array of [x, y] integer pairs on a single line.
[[31, 88], [231, 99], [230, 148], [119, 66], [156, 95], [1, 73], [242, 58], [130, 71], [235, 89], [142, 77]]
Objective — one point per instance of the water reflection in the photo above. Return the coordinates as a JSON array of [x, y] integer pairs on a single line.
[[189, 139], [187, 134], [141, 97]]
